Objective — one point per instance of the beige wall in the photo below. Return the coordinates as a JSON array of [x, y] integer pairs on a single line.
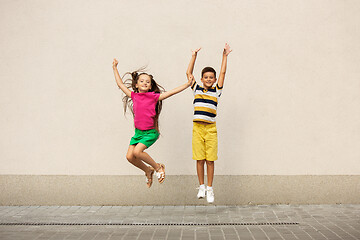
[[290, 104]]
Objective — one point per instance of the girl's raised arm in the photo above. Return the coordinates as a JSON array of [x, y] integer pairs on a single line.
[[119, 80], [167, 94]]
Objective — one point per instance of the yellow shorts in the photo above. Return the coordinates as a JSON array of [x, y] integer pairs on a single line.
[[204, 142]]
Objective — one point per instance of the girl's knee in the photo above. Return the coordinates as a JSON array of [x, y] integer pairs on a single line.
[[130, 157], [130, 160], [137, 153]]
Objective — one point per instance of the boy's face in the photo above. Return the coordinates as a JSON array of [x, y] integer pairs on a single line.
[[208, 79], [143, 83]]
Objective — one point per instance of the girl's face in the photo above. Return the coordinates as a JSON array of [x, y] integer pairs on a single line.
[[143, 83], [208, 79]]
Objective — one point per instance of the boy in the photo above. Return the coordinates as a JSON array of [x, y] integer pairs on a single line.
[[204, 140]]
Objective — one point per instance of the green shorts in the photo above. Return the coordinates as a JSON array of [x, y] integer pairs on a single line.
[[146, 137]]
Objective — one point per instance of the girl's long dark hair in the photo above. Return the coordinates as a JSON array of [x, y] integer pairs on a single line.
[[130, 83]]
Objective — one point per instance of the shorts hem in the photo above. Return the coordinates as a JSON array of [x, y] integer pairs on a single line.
[[205, 159], [147, 145]]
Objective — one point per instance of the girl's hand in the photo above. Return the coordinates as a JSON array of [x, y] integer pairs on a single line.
[[227, 49], [190, 80], [115, 63], [194, 52]]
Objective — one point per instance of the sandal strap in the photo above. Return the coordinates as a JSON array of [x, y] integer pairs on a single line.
[[160, 174]]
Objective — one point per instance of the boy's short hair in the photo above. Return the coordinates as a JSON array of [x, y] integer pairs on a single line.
[[208, 69]]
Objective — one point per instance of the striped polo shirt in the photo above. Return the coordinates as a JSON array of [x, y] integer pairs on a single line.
[[205, 103]]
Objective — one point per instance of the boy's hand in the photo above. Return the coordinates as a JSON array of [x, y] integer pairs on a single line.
[[227, 49], [194, 52], [115, 63]]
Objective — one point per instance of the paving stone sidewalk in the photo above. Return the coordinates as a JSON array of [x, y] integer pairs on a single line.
[[180, 222]]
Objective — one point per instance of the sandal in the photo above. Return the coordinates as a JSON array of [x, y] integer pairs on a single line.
[[160, 173], [149, 180]]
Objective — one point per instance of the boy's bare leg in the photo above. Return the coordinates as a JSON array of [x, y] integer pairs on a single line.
[[200, 170], [210, 166]]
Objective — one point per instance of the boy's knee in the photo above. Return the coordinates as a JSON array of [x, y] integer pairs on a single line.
[[210, 163]]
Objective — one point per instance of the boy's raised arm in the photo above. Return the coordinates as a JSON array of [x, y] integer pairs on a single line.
[[226, 52], [119, 81], [189, 71]]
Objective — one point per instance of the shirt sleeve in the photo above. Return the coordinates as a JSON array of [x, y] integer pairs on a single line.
[[156, 96], [194, 86], [218, 90]]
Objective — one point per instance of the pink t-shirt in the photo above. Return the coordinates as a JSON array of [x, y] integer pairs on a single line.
[[144, 109]]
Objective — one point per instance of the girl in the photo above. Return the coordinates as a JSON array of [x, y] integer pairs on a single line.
[[145, 104]]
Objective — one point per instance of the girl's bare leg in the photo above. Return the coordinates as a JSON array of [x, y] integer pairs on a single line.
[[134, 158], [200, 170], [210, 166], [136, 161], [141, 155]]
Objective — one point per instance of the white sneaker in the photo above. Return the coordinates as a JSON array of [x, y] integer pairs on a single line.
[[202, 192], [210, 195]]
